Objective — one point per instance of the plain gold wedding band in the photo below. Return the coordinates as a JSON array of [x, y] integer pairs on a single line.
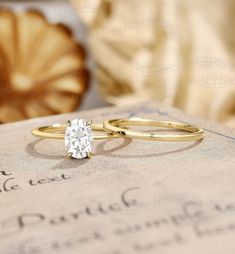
[[116, 126]]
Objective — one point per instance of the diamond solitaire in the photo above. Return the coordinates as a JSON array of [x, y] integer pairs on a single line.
[[78, 138]]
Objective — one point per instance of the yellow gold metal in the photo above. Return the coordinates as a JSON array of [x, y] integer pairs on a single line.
[[68, 123], [56, 131], [69, 155], [89, 156], [89, 123], [118, 126]]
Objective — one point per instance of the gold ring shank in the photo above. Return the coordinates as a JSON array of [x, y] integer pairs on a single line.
[[116, 125], [57, 131]]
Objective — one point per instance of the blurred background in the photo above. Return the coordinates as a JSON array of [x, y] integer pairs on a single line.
[[63, 56]]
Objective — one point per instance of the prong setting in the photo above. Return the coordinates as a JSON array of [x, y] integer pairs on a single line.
[[89, 156], [70, 155], [68, 123], [89, 123]]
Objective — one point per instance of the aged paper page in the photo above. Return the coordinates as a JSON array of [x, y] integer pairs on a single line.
[[133, 196]]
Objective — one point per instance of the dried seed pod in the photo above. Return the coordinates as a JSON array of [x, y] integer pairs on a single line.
[[42, 67]]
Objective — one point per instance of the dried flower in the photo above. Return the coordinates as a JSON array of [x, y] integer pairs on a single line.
[[42, 70]]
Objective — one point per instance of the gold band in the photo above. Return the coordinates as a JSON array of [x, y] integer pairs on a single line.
[[78, 135], [116, 126], [56, 131]]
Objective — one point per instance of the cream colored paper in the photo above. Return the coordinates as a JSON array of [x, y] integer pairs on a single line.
[[133, 196]]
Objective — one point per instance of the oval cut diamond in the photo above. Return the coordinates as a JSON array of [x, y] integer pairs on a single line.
[[78, 138]]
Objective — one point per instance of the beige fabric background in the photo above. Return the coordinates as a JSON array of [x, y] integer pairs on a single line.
[[175, 51]]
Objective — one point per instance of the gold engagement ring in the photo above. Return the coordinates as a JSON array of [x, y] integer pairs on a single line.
[[78, 135]]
